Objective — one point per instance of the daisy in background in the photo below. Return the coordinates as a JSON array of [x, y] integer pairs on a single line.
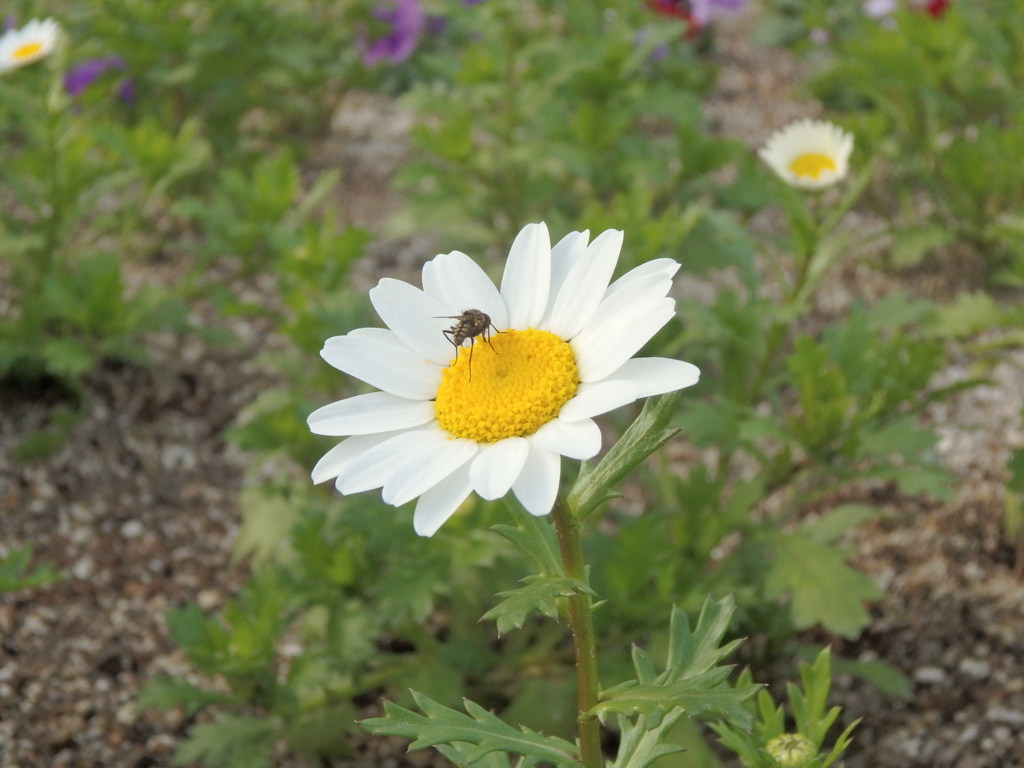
[[811, 154], [497, 413], [34, 41]]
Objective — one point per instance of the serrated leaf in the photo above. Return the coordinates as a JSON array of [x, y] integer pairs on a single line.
[[966, 315], [229, 742], [475, 734], [697, 695], [903, 436], [541, 593], [640, 742], [691, 680], [822, 588], [460, 754], [698, 651], [165, 692], [837, 521]]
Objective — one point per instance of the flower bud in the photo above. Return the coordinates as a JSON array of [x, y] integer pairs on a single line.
[[791, 750]]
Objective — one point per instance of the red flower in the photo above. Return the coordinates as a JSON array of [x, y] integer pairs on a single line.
[[675, 9], [936, 7]]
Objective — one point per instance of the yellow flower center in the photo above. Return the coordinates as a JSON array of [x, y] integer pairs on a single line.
[[518, 382], [812, 165], [28, 49]]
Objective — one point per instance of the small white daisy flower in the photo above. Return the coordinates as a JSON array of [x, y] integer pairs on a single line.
[[812, 154], [32, 42], [498, 416]]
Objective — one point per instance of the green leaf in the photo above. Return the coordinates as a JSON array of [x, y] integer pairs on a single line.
[[833, 524], [910, 246], [229, 742], [541, 593], [719, 241], [535, 537], [700, 650], [903, 436], [640, 742], [933, 481], [1016, 467], [474, 735], [880, 674], [822, 588], [697, 695], [14, 572], [643, 437], [267, 519], [824, 400], [966, 315], [546, 703], [68, 357], [691, 680], [165, 692]]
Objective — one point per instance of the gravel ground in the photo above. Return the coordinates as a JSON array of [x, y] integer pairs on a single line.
[[139, 508]]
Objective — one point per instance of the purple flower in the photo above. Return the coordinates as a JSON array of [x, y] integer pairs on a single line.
[[10, 22], [126, 91], [407, 22], [704, 11], [81, 76]]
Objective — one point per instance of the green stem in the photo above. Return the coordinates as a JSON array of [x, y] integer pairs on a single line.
[[581, 622], [54, 193]]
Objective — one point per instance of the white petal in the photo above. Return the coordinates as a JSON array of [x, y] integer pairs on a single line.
[[460, 284], [378, 336], [339, 457], [657, 375], [423, 470], [537, 485], [564, 254], [609, 341], [527, 280], [585, 285], [407, 311], [392, 368], [375, 466], [496, 467], [804, 137], [439, 503], [601, 397], [369, 413], [576, 439], [665, 267]]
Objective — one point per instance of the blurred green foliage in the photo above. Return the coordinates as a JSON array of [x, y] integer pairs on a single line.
[[586, 115]]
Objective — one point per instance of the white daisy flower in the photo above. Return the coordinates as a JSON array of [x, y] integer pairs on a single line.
[[556, 350], [32, 42], [812, 154]]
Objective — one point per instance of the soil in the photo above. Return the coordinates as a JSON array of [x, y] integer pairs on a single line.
[[138, 507]]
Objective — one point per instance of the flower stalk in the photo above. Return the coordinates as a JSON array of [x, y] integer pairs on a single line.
[[580, 616]]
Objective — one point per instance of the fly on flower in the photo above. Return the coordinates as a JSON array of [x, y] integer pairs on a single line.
[[471, 323], [564, 355]]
